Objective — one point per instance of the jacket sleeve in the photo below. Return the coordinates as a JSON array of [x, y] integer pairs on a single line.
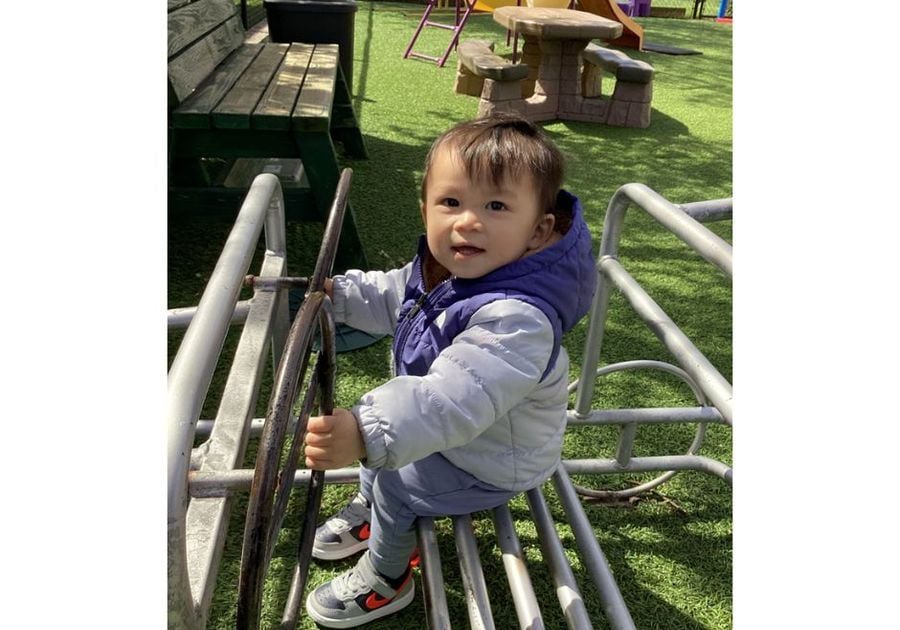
[[488, 369], [370, 301]]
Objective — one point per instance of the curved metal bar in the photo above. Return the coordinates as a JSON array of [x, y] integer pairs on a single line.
[[325, 368], [650, 464], [702, 371], [623, 461], [262, 521], [438, 616], [567, 592], [192, 369], [474, 586], [527, 610], [257, 530], [610, 596], [709, 245]]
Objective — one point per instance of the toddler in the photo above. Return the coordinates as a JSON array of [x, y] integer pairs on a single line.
[[475, 412]]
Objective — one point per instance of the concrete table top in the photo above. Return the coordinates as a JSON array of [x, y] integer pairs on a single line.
[[548, 23]]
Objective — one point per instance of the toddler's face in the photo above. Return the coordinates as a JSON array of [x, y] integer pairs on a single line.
[[473, 228]]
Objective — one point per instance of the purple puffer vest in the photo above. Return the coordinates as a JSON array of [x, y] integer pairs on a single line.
[[559, 280]]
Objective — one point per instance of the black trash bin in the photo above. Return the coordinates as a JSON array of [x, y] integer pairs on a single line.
[[315, 22]]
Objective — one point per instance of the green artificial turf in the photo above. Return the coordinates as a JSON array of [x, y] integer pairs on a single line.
[[671, 551]]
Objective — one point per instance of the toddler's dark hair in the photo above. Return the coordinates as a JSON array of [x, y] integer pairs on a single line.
[[507, 145]]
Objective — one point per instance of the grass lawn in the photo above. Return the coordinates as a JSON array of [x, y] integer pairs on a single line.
[[671, 551]]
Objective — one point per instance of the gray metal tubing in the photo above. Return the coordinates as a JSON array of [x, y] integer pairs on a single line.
[[591, 554], [438, 616], [204, 427], [179, 318], [567, 591], [710, 246], [207, 520], [626, 443], [709, 211], [524, 599], [713, 385], [191, 373], [477, 601], [650, 464], [649, 415], [225, 483], [707, 244]]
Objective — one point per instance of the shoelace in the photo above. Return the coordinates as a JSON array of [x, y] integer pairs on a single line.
[[353, 513], [350, 584]]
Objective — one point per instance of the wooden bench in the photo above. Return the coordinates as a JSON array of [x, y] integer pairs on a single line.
[[630, 101], [480, 72], [231, 99]]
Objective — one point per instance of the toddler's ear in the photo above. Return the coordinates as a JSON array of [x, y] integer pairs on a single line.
[[422, 210], [542, 231]]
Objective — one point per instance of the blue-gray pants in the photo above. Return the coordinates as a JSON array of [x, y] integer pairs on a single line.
[[429, 487]]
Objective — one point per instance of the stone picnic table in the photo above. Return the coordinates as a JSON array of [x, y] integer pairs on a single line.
[[554, 41]]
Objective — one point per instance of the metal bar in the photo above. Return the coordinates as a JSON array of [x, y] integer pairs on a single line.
[[610, 597], [477, 601], [179, 318], [649, 415], [207, 520], [448, 27], [415, 36], [269, 283], [567, 591], [626, 443], [650, 464], [713, 385], [437, 614], [220, 484], [710, 246], [192, 369], [709, 211], [527, 610], [325, 369]]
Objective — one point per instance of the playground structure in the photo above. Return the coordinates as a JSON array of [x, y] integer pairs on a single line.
[[203, 480], [632, 33]]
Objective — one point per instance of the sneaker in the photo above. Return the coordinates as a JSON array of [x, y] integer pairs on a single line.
[[359, 596], [345, 533]]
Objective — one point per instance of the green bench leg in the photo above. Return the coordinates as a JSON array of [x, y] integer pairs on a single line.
[[320, 161], [344, 125]]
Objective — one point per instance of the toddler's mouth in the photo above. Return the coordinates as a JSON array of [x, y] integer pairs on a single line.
[[467, 250]]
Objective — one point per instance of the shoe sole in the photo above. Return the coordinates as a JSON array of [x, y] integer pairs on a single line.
[[388, 609], [339, 554]]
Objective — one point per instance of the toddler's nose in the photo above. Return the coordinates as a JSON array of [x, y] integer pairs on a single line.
[[468, 220]]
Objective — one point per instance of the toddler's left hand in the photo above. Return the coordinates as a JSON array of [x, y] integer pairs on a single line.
[[333, 441]]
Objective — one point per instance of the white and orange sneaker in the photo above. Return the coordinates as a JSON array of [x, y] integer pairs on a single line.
[[345, 533]]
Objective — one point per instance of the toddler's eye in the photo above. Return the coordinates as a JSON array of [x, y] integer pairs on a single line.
[[496, 205], [450, 201]]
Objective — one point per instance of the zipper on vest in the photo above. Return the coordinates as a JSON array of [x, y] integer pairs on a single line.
[[401, 342], [417, 306]]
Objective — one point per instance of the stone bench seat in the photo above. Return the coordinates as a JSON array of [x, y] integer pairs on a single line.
[[477, 55], [629, 104], [618, 63]]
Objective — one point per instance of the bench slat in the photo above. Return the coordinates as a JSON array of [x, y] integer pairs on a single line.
[[194, 21], [192, 66], [174, 4], [235, 109], [275, 106], [194, 112], [313, 109]]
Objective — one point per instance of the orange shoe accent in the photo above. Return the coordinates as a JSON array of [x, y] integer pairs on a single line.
[[364, 532], [374, 600], [414, 558]]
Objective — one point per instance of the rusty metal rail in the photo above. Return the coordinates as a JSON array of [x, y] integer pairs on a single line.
[[201, 479]]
